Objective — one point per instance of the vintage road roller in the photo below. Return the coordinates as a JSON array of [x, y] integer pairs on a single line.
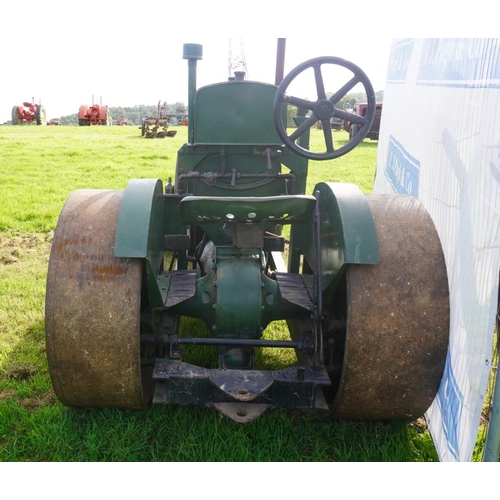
[[235, 241]]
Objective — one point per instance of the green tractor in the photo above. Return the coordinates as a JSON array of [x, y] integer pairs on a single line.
[[236, 242]]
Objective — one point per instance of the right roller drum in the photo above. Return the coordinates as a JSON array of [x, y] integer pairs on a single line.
[[395, 342]]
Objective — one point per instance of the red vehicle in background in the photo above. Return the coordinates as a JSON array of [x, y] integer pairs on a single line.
[[97, 114], [29, 112], [360, 109]]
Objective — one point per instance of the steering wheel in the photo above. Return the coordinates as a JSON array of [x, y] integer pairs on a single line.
[[323, 109]]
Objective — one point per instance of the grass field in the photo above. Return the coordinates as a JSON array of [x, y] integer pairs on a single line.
[[40, 167]]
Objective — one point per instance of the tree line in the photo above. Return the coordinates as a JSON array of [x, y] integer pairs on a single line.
[[135, 114], [351, 99], [178, 110]]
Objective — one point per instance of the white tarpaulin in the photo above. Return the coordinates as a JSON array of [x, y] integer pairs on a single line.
[[440, 142]]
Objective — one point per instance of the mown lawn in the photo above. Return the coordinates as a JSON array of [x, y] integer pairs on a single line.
[[39, 168]]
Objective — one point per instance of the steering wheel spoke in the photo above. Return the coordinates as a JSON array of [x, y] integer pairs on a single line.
[[320, 84], [297, 101], [345, 115], [323, 109], [328, 135], [362, 120], [303, 127], [345, 89]]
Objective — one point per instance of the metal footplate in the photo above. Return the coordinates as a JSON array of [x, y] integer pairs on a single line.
[[241, 395], [293, 289], [182, 287]]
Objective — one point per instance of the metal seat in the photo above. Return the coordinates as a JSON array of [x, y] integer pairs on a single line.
[[197, 210]]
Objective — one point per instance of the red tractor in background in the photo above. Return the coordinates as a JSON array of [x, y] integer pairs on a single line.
[[97, 114], [353, 128], [123, 121], [29, 112]]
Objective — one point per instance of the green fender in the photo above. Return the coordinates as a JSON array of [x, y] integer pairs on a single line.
[[348, 233], [141, 221]]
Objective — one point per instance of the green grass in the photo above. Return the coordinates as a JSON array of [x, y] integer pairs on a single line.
[[357, 167], [40, 167], [196, 434]]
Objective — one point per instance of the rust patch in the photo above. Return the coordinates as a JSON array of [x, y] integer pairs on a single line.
[[62, 244], [100, 271]]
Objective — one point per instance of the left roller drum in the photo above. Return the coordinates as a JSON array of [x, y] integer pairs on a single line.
[[93, 309]]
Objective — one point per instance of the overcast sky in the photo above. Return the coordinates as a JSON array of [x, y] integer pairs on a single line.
[[127, 53], [64, 52], [126, 70]]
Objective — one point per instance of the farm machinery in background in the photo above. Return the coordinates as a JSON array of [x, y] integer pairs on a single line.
[[123, 121], [30, 113], [97, 114], [361, 109], [180, 115], [157, 126], [235, 242]]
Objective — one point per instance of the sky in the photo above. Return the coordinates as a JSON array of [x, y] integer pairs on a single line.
[[122, 55], [130, 72], [65, 53]]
